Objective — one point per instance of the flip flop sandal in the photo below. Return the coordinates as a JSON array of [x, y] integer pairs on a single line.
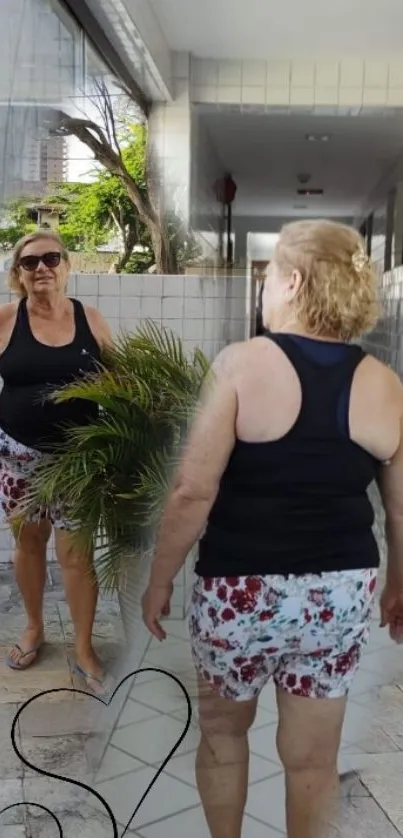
[[104, 684], [19, 664]]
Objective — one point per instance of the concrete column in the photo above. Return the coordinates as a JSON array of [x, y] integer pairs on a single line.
[[170, 127]]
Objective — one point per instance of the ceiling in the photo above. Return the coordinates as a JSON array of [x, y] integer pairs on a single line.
[[265, 153], [262, 29]]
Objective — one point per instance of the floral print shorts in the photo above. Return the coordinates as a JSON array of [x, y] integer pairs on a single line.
[[307, 632], [17, 464]]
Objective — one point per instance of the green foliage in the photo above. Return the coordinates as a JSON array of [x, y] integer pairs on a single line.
[[94, 212], [139, 262], [112, 474], [18, 218], [91, 214]]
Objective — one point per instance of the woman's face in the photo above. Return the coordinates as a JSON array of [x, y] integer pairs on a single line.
[[273, 302], [42, 268], [278, 297]]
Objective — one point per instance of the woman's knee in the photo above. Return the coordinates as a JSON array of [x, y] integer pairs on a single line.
[[309, 732], [70, 554], [307, 755], [221, 717], [32, 539]]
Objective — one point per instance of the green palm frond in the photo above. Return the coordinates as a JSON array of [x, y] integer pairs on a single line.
[[112, 475]]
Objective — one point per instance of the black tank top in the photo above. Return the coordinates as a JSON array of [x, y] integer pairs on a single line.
[[31, 371], [299, 504]]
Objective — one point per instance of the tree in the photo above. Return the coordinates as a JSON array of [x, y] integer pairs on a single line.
[[93, 212], [116, 203], [19, 220], [109, 145]]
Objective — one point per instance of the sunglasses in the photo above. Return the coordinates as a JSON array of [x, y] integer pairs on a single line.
[[31, 263]]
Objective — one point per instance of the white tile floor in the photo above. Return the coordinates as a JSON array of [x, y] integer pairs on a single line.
[[152, 721]]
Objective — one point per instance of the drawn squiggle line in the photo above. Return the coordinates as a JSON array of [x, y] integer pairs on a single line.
[[79, 784], [37, 806]]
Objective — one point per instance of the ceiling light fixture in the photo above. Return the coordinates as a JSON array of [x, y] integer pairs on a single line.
[[318, 138], [309, 193], [304, 178]]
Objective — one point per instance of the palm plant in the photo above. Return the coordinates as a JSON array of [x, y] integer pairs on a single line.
[[112, 475]]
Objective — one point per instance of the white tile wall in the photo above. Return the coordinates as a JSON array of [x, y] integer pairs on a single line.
[[229, 73], [376, 74], [303, 74], [254, 73], [375, 97], [348, 83], [396, 72], [206, 169], [170, 137], [327, 74], [278, 96], [278, 73], [181, 65], [204, 71], [395, 97], [351, 72]]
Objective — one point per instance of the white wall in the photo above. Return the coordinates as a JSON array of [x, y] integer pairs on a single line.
[[341, 86], [169, 127], [261, 246], [206, 169], [204, 311]]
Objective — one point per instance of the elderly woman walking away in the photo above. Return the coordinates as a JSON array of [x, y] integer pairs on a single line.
[[46, 340], [296, 426]]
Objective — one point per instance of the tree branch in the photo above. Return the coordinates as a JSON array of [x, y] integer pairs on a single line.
[[95, 139]]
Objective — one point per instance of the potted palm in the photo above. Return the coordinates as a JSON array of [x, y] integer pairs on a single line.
[[112, 475]]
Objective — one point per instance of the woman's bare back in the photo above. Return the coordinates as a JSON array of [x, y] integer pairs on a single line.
[[269, 398]]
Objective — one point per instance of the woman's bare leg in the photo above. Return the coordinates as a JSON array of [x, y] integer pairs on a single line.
[[222, 762], [29, 560], [308, 740], [81, 590]]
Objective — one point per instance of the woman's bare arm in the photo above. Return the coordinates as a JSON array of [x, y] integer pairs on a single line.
[[196, 483], [99, 328], [390, 483]]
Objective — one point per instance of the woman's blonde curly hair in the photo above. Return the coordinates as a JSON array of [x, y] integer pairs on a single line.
[[339, 295], [13, 277]]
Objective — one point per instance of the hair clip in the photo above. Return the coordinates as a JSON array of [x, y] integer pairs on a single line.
[[360, 260]]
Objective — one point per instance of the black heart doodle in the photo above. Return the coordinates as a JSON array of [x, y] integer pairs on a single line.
[[115, 832]]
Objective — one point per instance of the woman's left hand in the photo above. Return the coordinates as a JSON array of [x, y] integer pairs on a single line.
[[391, 606], [156, 603]]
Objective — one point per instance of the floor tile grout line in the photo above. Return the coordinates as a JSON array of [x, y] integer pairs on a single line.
[[141, 721], [120, 775], [156, 765], [171, 715], [153, 764], [158, 712], [167, 817], [115, 725], [197, 807], [126, 753], [398, 831], [263, 823]]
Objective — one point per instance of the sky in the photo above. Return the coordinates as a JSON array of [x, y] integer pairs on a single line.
[[80, 161]]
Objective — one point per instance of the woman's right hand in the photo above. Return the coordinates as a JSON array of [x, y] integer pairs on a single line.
[[156, 603], [391, 605]]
